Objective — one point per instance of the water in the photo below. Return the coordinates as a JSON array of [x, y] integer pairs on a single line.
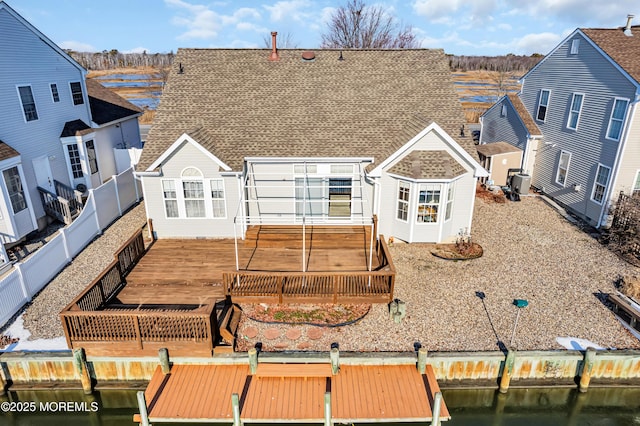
[[519, 407]]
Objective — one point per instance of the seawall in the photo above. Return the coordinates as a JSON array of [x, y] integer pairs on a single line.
[[42, 370]]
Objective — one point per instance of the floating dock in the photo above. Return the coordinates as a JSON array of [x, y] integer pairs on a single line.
[[292, 393]]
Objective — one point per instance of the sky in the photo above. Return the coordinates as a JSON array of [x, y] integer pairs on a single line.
[[469, 27]]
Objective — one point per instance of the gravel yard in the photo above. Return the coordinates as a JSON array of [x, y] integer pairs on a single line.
[[41, 316], [530, 252]]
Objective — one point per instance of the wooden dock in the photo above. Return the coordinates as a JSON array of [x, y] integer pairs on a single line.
[[292, 393]]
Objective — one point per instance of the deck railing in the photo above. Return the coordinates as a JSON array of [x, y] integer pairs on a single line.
[[315, 287], [88, 323], [73, 195], [56, 206]]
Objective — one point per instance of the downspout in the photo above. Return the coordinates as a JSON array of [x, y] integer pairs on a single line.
[[616, 164]]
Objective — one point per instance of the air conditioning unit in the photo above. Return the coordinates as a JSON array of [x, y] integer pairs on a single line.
[[521, 183]]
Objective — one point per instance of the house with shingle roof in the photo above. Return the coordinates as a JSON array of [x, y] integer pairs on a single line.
[[245, 137], [58, 129], [575, 120]]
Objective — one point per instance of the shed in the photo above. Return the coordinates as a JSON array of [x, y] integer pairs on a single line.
[[498, 158]]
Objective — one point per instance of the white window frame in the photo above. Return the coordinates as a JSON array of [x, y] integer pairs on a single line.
[[21, 193], [434, 206], [597, 184], [73, 100], [621, 120], [503, 111], [448, 207], [215, 199], [35, 105], [636, 184], [55, 95], [575, 46], [174, 199], [575, 113], [566, 169], [72, 172], [546, 106], [198, 177], [405, 203]]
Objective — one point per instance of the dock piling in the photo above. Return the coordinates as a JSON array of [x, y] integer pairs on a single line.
[[142, 406], [437, 402], [327, 409], [80, 359], [163, 353], [235, 405], [335, 360], [422, 360], [507, 371], [587, 368], [253, 360]]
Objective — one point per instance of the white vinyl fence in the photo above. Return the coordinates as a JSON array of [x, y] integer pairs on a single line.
[[29, 277]]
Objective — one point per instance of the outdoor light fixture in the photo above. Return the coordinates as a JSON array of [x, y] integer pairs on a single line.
[[519, 303]]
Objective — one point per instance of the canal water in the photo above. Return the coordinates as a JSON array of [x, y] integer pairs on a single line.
[[519, 407]]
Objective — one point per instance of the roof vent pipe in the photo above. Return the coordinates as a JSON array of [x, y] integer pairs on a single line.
[[627, 28], [274, 49]]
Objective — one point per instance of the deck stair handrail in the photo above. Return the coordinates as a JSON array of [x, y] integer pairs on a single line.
[[73, 195], [56, 206]]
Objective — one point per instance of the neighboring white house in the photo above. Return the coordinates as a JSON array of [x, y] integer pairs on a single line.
[[248, 136], [575, 121], [57, 130]]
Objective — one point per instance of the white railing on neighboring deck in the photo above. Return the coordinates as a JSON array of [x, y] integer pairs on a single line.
[[30, 276]]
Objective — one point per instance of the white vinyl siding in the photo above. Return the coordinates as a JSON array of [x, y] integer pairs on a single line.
[[170, 198], [217, 198], [428, 203], [563, 168], [403, 201], [600, 184], [619, 111], [543, 105], [575, 110], [76, 93], [28, 103]]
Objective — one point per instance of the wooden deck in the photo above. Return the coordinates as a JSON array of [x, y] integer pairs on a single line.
[[191, 271], [292, 393]]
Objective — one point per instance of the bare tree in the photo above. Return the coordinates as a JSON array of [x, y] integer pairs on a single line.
[[358, 26], [285, 41]]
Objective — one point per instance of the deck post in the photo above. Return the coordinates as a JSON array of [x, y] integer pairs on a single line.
[[335, 360], [587, 368], [327, 409], [422, 360], [507, 370], [142, 406], [253, 360], [80, 359], [163, 353], [401, 311], [3, 385], [235, 405], [437, 403]]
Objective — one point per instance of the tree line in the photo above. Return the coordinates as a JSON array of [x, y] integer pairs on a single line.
[[112, 59]]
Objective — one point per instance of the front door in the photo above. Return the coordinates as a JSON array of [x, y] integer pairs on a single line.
[[44, 178]]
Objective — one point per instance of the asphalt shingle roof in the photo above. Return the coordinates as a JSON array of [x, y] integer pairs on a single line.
[[527, 119], [496, 148], [428, 165], [75, 128], [242, 105], [107, 106], [7, 152], [621, 48]]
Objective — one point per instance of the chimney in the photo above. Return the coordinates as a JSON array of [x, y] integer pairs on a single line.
[[274, 49], [627, 28]]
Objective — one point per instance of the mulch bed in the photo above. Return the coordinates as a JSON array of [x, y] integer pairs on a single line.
[[6, 341], [319, 314], [451, 252]]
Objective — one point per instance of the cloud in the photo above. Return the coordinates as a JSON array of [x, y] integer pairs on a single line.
[[536, 43], [582, 13], [77, 46], [285, 10], [136, 50], [248, 26]]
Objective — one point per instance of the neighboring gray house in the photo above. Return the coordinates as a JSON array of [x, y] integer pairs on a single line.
[[326, 137], [575, 121], [58, 131]]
